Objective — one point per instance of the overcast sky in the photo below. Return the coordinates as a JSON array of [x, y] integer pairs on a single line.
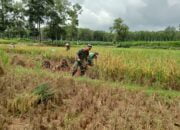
[[137, 14]]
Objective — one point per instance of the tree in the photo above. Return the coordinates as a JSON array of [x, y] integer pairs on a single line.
[[120, 29], [85, 34], [5, 9], [99, 35], [170, 33], [36, 12], [74, 22], [56, 15], [17, 22]]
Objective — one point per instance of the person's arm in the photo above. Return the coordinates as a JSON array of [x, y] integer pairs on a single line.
[[78, 55], [87, 57], [95, 59]]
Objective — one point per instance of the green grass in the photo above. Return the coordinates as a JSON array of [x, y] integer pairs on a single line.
[[126, 44], [133, 87], [4, 58], [152, 44]]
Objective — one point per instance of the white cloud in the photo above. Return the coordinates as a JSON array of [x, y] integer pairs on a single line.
[[99, 20], [138, 14], [173, 2]]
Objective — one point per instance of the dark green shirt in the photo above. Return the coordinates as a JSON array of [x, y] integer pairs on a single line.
[[83, 54]]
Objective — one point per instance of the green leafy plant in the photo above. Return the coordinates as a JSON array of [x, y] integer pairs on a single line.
[[43, 91]]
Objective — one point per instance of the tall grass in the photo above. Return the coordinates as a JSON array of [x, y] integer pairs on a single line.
[[4, 58], [141, 67]]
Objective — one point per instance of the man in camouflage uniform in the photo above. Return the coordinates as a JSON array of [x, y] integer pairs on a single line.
[[82, 60]]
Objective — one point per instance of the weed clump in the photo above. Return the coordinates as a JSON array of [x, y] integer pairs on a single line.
[[43, 91]]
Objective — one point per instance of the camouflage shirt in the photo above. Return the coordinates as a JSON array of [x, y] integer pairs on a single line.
[[83, 54]]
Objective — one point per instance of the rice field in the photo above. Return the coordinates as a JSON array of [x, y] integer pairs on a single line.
[[147, 67], [126, 89]]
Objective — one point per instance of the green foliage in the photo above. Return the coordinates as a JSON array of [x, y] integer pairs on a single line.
[[14, 41], [85, 34], [5, 9], [8, 41], [72, 27], [4, 57], [120, 29], [62, 43], [28, 15], [161, 45], [127, 44], [43, 91], [169, 34]]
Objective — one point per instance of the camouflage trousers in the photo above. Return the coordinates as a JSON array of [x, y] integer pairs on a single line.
[[79, 64]]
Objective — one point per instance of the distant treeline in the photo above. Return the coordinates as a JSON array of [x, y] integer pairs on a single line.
[[169, 34], [90, 35]]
